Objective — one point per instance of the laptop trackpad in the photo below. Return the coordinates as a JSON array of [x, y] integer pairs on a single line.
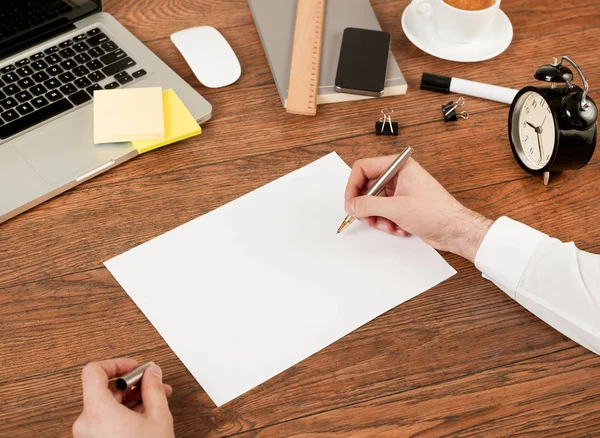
[[65, 149], [19, 183]]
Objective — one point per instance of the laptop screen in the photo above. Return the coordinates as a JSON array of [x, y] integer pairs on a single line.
[[28, 22]]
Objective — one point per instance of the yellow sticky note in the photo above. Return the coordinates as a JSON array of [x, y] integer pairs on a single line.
[[129, 114], [179, 124]]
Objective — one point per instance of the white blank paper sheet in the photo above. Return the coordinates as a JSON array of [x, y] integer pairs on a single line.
[[256, 286]]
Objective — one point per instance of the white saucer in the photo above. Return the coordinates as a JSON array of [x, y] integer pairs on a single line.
[[422, 33]]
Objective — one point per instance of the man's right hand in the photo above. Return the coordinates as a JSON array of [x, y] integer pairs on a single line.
[[414, 203]]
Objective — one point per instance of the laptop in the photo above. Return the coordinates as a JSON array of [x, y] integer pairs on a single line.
[[53, 55]]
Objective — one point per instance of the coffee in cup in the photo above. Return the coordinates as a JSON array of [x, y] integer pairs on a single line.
[[471, 5], [458, 21]]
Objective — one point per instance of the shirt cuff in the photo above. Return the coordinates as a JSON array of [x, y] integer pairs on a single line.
[[505, 252]]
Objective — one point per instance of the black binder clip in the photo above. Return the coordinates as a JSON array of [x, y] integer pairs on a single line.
[[385, 126], [449, 111]]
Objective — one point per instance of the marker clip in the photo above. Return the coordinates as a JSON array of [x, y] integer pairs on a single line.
[[449, 110], [385, 126]]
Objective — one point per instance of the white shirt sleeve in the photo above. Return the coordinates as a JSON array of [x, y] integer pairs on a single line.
[[553, 280]]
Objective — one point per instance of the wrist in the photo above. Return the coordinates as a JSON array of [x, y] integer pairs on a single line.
[[471, 228]]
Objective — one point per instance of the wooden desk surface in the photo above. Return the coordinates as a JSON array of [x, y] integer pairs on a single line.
[[461, 359]]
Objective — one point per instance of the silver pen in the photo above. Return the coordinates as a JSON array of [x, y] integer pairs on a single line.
[[381, 182]]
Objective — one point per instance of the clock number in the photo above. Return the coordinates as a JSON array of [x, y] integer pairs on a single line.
[[534, 104], [526, 138], [530, 151], [542, 104], [527, 110], [547, 157]]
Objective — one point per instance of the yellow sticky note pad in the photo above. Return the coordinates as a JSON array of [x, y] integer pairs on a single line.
[[179, 124], [128, 115]]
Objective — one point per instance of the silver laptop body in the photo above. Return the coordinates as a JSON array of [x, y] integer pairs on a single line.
[[59, 153]]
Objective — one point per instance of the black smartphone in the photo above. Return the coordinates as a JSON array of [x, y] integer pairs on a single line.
[[363, 62]]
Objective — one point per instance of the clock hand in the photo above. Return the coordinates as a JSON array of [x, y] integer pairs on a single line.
[[541, 146], [540, 128], [534, 127]]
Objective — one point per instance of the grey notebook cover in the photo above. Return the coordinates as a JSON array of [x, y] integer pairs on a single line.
[[275, 20]]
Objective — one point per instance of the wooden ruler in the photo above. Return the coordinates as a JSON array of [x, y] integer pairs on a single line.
[[306, 58]]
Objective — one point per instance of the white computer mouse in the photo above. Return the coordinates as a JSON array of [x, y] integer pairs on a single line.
[[209, 55]]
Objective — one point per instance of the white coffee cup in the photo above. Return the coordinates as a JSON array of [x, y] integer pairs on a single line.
[[457, 25]]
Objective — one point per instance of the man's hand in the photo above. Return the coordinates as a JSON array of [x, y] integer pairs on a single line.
[[141, 413], [414, 203]]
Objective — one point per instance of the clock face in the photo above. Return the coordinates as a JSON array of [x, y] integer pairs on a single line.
[[533, 130]]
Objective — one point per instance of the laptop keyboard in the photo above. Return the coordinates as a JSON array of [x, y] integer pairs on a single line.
[[60, 78]]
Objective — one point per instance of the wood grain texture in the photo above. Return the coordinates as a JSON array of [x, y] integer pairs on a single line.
[[462, 359]]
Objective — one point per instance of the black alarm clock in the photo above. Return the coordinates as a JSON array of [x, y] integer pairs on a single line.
[[553, 128]]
